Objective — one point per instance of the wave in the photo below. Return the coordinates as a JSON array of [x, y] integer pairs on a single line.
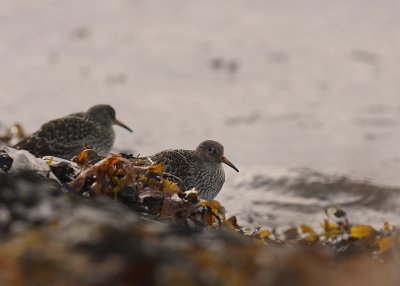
[[289, 197]]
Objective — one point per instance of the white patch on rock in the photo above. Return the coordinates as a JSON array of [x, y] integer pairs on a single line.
[[23, 160], [176, 198], [191, 191]]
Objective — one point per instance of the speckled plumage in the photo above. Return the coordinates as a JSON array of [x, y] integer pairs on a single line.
[[65, 137], [200, 169]]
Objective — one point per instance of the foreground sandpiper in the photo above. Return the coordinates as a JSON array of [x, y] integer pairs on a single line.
[[200, 169], [65, 137]]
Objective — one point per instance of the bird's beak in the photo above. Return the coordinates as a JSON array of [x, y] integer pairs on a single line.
[[226, 161], [117, 122]]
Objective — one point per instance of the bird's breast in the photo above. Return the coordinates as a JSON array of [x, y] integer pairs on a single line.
[[102, 140], [209, 180]]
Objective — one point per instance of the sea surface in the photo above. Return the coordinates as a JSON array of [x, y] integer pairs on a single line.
[[304, 95]]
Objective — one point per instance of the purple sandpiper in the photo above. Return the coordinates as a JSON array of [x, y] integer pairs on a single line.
[[65, 137], [200, 169]]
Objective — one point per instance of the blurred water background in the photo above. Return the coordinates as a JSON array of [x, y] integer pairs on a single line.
[[301, 93]]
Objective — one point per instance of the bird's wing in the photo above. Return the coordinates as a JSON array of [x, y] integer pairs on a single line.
[[176, 162], [62, 135]]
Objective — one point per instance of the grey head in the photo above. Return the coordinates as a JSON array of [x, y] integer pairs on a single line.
[[212, 152], [105, 115]]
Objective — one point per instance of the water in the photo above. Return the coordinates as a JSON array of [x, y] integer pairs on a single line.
[[282, 85], [286, 197]]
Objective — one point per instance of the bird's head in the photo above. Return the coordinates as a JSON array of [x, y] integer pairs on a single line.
[[106, 115], [213, 152]]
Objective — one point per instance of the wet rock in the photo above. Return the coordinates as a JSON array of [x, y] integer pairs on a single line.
[[24, 161], [27, 200]]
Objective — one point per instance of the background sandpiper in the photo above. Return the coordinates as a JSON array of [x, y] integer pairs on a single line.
[[66, 136]]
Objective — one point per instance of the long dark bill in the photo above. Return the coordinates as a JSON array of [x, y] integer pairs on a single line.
[[226, 161], [117, 122]]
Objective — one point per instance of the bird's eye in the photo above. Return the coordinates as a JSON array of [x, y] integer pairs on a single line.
[[211, 150]]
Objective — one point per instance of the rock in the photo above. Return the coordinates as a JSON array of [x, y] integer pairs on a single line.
[[25, 161]]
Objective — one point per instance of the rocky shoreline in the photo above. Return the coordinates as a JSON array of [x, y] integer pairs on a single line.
[[102, 221]]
